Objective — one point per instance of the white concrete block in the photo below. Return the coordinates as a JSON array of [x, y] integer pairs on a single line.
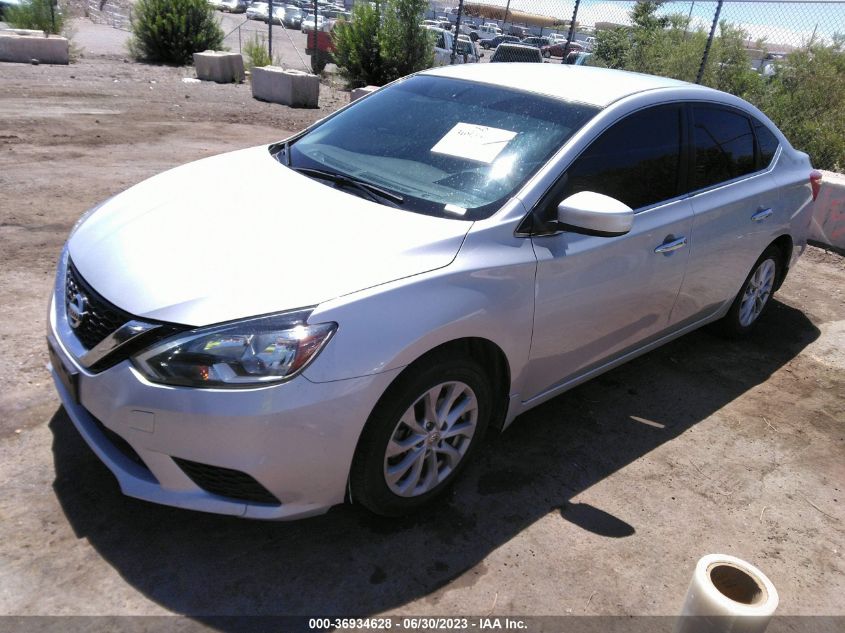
[[828, 224], [221, 67], [361, 92], [288, 87], [25, 46]]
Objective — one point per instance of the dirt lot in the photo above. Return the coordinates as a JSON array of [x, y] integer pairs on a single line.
[[598, 502]]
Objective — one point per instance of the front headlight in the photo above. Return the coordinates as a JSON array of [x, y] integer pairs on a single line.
[[248, 353]]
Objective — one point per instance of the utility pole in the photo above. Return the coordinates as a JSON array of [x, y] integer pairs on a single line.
[[270, 29], [457, 33], [709, 43]]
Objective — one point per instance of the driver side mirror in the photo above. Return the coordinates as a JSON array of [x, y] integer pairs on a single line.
[[593, 213]]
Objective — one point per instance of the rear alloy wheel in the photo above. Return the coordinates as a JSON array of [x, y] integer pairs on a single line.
[[754, 296], [421, 435]]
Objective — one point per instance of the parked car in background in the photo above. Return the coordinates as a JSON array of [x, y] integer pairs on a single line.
[[555, 221], [508, 52], [578, 58], [485, 32], [556, 50], [232, 6], [467, 50], [442, 42], [519, 31], [292, 17], [257, 11], [499, 39], [308, 23], [536, 42]]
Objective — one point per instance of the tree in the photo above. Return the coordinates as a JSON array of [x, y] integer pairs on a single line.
[[36, 15], [171, 31], [806, 100], [383, 42], [357, 46], [406, 47]]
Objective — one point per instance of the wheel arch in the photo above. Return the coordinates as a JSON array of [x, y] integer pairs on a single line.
[[486, 353], [785, 245]]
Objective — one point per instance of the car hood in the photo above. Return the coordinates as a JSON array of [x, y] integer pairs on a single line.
[[239, 234]]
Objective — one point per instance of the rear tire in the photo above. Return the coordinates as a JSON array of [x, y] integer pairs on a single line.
[[421, 435], [755, 295]]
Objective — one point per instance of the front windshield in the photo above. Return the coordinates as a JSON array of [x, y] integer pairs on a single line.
[[449, 147]]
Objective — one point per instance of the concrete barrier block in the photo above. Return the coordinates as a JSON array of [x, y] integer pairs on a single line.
[[361, 92], [288, 87], [221, 67], [25, 46], [828, 224]]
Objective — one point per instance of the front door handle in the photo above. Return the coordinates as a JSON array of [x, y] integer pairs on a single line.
[[669, 247], [761, 215]]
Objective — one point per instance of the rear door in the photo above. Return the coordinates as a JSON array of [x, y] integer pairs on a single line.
[[736, 205]]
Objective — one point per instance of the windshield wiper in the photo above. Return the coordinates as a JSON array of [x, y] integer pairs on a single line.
[[371, 190]]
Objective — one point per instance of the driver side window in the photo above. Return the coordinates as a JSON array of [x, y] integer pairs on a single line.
[[637, 160]]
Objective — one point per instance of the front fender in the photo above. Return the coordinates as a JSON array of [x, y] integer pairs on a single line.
[[486, 292]]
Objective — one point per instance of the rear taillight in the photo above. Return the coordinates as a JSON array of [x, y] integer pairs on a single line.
[[815, 182]]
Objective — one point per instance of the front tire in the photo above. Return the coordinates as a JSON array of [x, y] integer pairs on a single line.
[[755, 295], [421, 435]]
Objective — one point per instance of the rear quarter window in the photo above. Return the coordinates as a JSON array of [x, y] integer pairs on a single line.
[[767, 143], [724, 145]]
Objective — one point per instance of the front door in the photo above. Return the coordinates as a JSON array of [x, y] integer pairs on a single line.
[[599, 296]]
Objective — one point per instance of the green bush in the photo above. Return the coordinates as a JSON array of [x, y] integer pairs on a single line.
[[36, 15], [406, 47], [383, 42], [171, 31], [357, 47], [256, 53], [805, 98]]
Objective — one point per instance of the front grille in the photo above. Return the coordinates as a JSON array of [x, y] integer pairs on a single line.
[[101, 319], [122, 445], [227, 482]]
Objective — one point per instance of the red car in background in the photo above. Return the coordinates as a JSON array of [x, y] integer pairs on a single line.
[[556, 50]]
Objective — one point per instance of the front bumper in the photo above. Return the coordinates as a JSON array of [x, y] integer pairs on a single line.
[[296, 439]]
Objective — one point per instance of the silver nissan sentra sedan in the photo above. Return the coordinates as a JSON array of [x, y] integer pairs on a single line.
[[344, 314]]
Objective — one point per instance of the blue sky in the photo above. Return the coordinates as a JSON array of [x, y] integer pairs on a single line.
[[778, 22]]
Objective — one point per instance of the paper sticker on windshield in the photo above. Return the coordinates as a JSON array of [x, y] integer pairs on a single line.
[[474, 142]]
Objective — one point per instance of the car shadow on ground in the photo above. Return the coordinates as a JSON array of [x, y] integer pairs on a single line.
[[349, 562]]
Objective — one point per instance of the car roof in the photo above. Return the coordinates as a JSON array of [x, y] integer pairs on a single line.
[[585, 84]]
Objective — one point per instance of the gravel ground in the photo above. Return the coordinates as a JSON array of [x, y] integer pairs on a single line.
[[598, 502]]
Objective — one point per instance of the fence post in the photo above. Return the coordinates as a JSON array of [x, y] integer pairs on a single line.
[[571, 31], [457, 33], [505, 21], [270, 30], [709, 43]]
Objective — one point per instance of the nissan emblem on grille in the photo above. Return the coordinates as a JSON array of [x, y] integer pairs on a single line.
[[76, 309]]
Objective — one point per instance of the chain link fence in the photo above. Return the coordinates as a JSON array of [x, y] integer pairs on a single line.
[[786, 57]]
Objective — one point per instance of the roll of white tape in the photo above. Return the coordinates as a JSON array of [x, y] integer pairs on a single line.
[[727, 594]]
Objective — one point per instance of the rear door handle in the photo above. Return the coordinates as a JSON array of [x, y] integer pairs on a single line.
[[668, 247], [761, 215]]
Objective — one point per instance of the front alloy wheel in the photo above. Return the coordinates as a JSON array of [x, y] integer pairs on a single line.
[[430, 439], [421, 434]]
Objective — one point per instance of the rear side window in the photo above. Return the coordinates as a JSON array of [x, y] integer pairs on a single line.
[[766, 142], [636, 161], [724, 146]]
